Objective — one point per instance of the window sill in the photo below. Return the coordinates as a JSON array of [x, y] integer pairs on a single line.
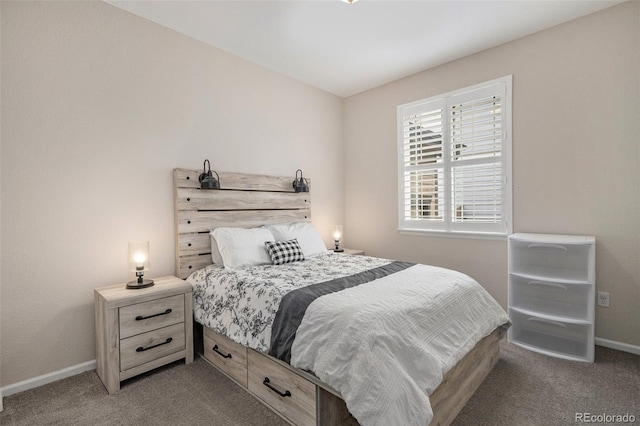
[[451, 234]]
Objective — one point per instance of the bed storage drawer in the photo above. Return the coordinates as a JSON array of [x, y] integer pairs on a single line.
[[151, 315], [146, 347], [288, 393], [227, 355]]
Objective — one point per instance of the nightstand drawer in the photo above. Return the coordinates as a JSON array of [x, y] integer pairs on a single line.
[[152, 345], [151, 315], [227, 355], [282, 389]]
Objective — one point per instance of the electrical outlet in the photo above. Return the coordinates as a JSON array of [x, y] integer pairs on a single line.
[[603, 299]]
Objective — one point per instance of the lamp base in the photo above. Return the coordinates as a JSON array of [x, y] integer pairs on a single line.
[[136, 284], [338, 250]]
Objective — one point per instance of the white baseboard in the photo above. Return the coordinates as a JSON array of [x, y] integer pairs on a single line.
[[612, 344], [46, 378]]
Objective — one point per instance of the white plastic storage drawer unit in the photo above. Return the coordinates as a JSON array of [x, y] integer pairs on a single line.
[[551, 294]]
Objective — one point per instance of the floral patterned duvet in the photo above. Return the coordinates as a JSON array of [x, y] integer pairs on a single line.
[[242, 303]]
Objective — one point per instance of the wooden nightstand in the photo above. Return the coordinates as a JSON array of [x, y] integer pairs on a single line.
[[352, 251], [142, 329]]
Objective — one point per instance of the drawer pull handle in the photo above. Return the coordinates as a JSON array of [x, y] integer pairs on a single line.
[[142, 349], [215, 349], [268, 384], [543, 284], [546, 321], [140, 317], [546, 245]]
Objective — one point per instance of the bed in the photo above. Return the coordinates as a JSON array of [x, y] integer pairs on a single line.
[[303, 377]]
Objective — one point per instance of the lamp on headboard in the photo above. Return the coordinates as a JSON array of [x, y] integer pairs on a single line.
[[139, 262], [207, 181], [301, 184]]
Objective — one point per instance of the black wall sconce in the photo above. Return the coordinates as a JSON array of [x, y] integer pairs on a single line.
[[301, 184], [207, 181]]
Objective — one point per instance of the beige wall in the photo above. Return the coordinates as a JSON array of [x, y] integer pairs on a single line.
[[576, 156], [98, 107]]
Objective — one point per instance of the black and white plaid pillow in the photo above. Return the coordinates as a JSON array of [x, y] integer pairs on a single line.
[[282, 252]]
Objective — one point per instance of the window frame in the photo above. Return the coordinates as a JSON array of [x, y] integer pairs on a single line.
[[447, 226]]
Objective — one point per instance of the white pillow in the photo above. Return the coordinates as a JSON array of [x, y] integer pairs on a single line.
[[243, 247], [216, 257], [304, 232]]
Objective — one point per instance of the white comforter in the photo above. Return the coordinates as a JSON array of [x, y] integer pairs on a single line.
[[384, 345]]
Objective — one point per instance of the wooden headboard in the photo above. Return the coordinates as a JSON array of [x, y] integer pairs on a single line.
[[244, 201]]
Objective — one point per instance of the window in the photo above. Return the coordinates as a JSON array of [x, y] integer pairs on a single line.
[[454, 161]]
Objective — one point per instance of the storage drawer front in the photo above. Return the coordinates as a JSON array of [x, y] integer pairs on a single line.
[[300, 406], [155, 344], [557, 337], [559, 261], [558, 299], [147, 316], [231, 357]]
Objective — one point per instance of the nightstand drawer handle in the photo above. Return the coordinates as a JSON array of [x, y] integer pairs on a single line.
[[268, 384], [215, 349], [140, 317], [142, 349]]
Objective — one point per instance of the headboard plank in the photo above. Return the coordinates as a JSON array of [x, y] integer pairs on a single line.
[[194, 244], [191, 264], [197, 199], [244, 200], [243, 181], [205, 221]]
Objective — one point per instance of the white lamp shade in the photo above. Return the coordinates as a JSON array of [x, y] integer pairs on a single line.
[[139, 256], [336, 232]]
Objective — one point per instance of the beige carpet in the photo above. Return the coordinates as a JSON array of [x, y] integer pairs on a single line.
[[177, 394], [525, 388]]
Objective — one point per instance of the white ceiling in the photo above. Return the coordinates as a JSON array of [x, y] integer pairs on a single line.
[[346, 49]]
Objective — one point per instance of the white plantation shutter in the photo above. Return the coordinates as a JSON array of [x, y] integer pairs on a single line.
[[454, 161], [422, 153]]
